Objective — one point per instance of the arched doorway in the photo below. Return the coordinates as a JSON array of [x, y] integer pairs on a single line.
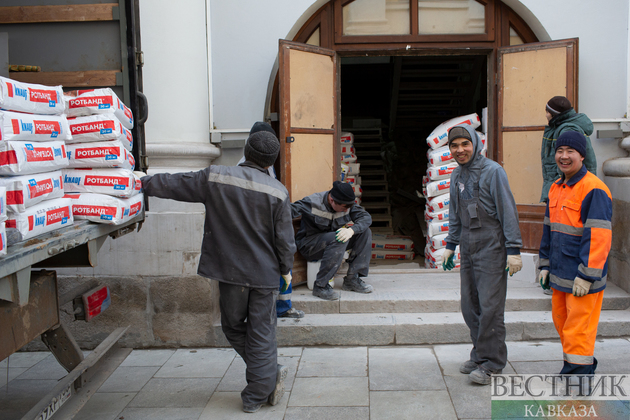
[[405, 66]]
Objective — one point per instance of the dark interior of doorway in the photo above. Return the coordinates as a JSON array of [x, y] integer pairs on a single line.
[[391, 104]]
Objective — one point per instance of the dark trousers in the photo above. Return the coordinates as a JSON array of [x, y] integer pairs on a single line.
[[248, 320], [324, 246]]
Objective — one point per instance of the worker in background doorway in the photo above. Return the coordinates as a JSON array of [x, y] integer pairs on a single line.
[[561, 118], [284, 307], [247, 245], [484, 223], [576, 240], [332, 223]]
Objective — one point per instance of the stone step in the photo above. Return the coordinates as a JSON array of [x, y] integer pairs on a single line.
[[431, 293], [381, 329]]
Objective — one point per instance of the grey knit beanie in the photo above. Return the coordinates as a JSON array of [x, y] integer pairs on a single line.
[[262, 148], [458, 132]]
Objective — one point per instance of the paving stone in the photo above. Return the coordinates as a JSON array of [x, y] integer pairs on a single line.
[[200, 363], [229, 406], [336, 361], [612, 354], [234, 379], [13, 373], [128, 379], [330, 392], [534, 368], [411, 405], [19, 396], [404, 369], [48, 368], [24, 359], [290, 351], [529, 351], [147, 357], [470, 400], [160, 413], [175, 392], [104, 406], [327, 413]]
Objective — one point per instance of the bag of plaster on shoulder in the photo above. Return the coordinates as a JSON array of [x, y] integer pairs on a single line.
[[25, 191], [102, 127], [435, 173], [391, 242], [392, 255], [347, 138], [98, 101], [439, 136], [437, 227], [440, 157], [41, 218], [31, 127], [106, 209], [436, 188], [103, 154], [23, 157], [115, 182], [439, 203], [31, 98]]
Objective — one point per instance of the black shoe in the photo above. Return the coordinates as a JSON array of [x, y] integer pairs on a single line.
[[292, 313], [482, 376], [468, 366], [325, 293], [355, 284], [251, 408]]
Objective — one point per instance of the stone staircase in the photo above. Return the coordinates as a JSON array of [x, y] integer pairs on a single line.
[[414, 306]]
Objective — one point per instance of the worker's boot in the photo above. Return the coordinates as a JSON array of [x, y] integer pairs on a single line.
[[468, 366], [278, 391], [325, 293], [482, 376], [355, 284]]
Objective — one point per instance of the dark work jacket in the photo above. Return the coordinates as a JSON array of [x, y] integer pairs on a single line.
[[567, 121], [319, 217], [248, 232]]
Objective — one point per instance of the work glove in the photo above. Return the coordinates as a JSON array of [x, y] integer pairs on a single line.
[[581, 287], [287, 281], [344, 234], [139, 174], [514, 264], [447, 262], [543, 279]]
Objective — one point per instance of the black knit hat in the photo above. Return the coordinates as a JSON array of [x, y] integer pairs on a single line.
[[574, 140], [262, 148], [262, 126], [342, 193], [458, 132], [557, 105]]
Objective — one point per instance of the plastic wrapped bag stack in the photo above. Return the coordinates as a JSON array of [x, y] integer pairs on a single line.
[[350, 166]]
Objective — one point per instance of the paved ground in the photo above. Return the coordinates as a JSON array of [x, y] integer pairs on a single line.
[[390, 382]]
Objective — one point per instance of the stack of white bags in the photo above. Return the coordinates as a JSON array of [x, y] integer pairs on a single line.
[[99, 180], [350, 166], [33, 131], [436, 188], [38, 150]]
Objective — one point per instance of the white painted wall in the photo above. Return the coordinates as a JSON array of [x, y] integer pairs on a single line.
[[175, 71]]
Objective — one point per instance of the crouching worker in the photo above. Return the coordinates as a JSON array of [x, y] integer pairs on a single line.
[[484, 223], [247, 245], [332, 223], [576, 240]]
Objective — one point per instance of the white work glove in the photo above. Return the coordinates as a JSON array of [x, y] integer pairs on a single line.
[[139, 174], [581, 287], [344, 234], [287, 281], [543, 279], [447, 260], [514, 264]]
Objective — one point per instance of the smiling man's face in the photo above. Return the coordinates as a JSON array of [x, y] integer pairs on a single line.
[[462, 150]]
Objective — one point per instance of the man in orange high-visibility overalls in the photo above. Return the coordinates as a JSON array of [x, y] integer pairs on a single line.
[[574, 251]]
